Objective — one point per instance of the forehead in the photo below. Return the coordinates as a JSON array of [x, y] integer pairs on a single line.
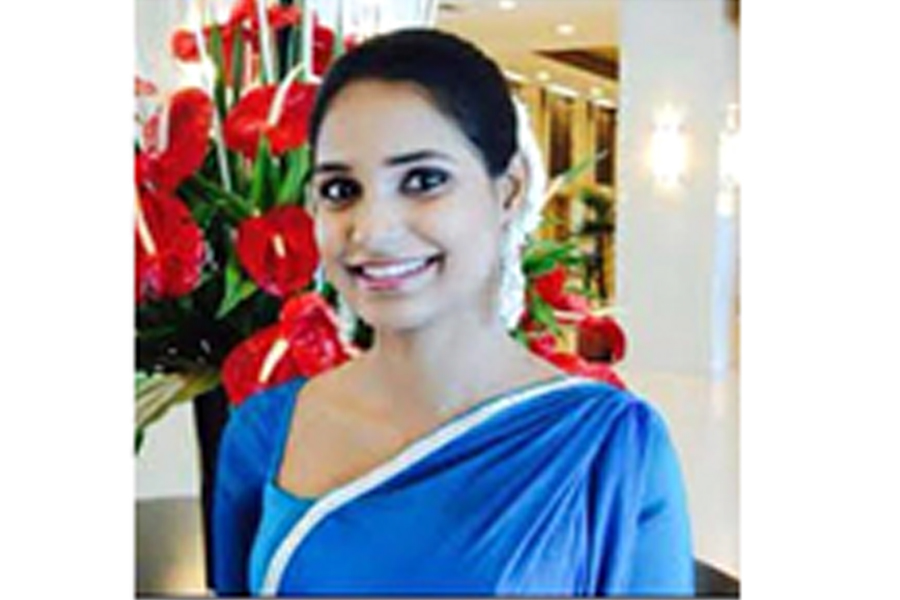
[[380, 118]]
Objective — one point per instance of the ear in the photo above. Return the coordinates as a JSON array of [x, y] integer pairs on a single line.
[[511, 188]]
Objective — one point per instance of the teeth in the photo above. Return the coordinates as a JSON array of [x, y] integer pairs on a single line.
[[394, 270]]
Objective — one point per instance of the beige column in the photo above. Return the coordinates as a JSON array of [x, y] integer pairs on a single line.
[[676, 246]]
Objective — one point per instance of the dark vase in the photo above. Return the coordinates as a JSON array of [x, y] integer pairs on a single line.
[[210, 415]]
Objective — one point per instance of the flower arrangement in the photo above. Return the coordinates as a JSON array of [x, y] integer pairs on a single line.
[[225, 261]]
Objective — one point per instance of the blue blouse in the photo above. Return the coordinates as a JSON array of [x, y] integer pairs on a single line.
[[569, 487]]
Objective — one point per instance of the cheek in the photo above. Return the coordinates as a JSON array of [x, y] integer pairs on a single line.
[[328, 239]]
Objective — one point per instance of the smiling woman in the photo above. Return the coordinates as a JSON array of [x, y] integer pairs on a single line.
[[446, 459]]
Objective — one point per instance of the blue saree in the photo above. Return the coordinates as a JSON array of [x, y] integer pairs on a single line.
[[569, 487]]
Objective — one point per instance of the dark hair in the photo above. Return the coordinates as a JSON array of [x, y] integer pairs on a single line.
[[464, 84]]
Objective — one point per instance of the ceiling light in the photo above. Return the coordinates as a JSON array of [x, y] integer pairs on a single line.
[[565, 29], [506, 4], [543, 76]]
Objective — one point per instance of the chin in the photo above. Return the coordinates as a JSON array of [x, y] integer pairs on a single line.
[[389, 317]]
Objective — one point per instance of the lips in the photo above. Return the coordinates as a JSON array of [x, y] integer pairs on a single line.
[[392, 274]]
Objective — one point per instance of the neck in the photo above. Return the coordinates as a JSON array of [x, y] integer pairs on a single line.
[[442, 368]]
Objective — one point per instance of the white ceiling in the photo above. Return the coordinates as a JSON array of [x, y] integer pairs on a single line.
[[512, 36]]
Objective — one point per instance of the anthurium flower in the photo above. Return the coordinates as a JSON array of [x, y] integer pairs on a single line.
[[312, 327], [550, 286], [245, 11], [576, 365], [167, 162], [601, 338], [304, 343], [323, 47], [249, 119], [259, 362], [169, 248], [278, 249], [542, 344], [144, 87], [183, 42], [184, 46]]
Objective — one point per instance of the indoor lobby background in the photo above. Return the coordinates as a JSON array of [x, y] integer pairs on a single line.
[[655, 83]]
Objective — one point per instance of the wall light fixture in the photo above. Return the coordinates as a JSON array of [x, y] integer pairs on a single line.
[[668, 147]]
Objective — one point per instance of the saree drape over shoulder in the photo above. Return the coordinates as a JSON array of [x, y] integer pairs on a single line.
[[569, 487]]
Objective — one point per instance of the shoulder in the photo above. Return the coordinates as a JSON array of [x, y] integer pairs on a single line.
[[260, 411], [599, 399], [254, 426], [619, 420]]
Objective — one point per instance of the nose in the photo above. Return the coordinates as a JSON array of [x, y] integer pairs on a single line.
[[377, 220]]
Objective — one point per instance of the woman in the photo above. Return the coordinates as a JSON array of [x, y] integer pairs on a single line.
[[446, 459]]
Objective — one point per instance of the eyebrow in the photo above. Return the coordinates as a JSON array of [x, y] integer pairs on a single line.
[[409, 157], [393, 161]]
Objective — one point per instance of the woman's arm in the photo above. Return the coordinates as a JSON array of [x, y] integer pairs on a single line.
[[662, 562], [641, 530], [237, 501]]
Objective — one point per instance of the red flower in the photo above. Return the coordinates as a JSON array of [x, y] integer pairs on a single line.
[[550, 286], [183, 44], [247, 121], [189, 120], [350, 42], [169, 248], [277, 16], [144, 87], [575, 365], [542, 344], [312, 327], [323, 47], [303, 343], [601, 338], [278, 249]]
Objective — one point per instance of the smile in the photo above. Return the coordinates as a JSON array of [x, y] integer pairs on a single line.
[[393, 275]]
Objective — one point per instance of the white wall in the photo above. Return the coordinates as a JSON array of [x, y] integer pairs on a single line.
[[675, 254], [169, 461]]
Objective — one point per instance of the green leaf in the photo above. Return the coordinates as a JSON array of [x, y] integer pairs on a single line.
[[237, 287], [237, 69], [260, 175], [203, 213], [569, 175], [542, 255], [244, 290], [151, 333], [217, 55], [520, 336], [273, 180], [543, 314], [292, 186], [291, 50], [202, 189]]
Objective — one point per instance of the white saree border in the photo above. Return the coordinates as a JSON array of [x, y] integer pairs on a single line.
[[406, 458]]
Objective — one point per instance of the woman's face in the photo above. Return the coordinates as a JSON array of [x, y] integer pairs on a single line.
[[408, 221]]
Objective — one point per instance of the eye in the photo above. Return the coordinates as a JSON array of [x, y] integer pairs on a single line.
[[424, 180], [338, 191]]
